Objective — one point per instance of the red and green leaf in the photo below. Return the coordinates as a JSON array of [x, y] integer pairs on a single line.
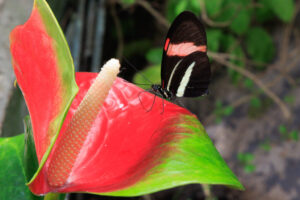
[[128, 151], [44, 70]]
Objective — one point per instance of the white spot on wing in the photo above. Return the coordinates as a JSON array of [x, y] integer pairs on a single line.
[[185, 79], [170, 79]]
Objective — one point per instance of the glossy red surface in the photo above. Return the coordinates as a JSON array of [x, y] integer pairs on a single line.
[[124, 142], [126, 139]]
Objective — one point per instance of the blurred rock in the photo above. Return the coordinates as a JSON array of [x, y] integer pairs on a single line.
[[12, 13]]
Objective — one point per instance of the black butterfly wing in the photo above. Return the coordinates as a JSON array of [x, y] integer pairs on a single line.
[[185, 37], [190, 76]]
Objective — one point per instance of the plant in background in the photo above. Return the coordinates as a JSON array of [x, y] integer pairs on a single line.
[[89, 133], [238, 35], [246, 160], [266, 145], [221, 111], [288, 135], [289, 99]]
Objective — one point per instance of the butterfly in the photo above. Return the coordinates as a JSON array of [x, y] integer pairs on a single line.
[[185, 68]]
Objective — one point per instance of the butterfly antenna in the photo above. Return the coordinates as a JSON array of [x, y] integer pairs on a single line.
[[140, 73], [142, 83]]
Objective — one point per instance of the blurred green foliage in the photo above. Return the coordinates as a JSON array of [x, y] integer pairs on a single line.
[[175, 7], [239, 29], [258, 106], [283, 9], [289, 99], [145, 78], [137, 47], [153, 56], [128, 2], [248, 83], [151, 74], [259, 45], [221, 111], [288, 135], [266, 145], [242, 29], [246, 160]]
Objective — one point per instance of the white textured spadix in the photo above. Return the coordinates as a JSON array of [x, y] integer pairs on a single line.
[[72, 141]]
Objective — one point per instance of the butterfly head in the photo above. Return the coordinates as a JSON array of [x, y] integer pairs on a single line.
[[158, 89]]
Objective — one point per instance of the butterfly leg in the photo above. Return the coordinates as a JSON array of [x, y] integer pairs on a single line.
[[152, 103], [139, 96]]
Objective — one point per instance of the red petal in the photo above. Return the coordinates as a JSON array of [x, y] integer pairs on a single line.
[[45, 79]]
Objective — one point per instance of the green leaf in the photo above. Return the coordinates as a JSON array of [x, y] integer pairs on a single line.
[[228, 110], [231, 9], [266, 145], [255, 102], [238, 53], [194, 6], [294, 135], [230, 44], [221, 111], [282, 129], [55, 196], [30, 161], [175, 7], [245, 157], [128, 2], [219, 104], [260, 45], [213, 7], [289, 99], [227, 12], [12, 177], [241, 23], [246, 160], [213, 39], [154, 56], [284, 9], [263, 12], [248, 83], [143, 77], [182, 5], [249, 168]]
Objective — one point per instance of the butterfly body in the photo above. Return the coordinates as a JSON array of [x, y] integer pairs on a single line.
[[158, 89], [185, 70]]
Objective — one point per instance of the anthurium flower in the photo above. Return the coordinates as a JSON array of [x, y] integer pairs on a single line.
[[91, 132]]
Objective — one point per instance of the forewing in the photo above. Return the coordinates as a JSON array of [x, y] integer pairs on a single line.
[[185, 36]]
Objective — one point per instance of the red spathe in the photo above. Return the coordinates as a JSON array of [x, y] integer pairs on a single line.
[[37, 72], [124, 142]]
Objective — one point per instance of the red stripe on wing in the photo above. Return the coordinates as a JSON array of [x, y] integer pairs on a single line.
[[167, 44], [184, 49]]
